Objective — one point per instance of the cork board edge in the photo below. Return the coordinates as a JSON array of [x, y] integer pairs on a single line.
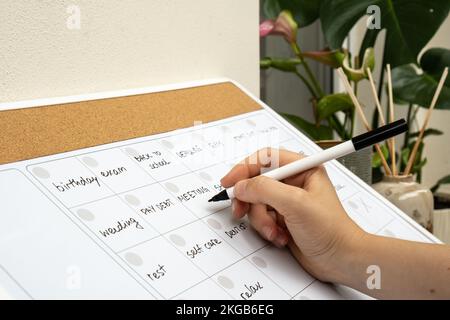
[[109, 94], [37, 131]]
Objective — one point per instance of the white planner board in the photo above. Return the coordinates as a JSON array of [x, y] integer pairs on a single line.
[[131, 220]]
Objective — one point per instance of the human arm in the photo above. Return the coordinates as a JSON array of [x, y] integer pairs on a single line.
[[304, 213]]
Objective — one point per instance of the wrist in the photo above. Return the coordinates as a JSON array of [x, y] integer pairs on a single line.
[[348, 261]]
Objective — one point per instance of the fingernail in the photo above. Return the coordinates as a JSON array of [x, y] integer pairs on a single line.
[[281, 240], [268, 233], [233, 206]]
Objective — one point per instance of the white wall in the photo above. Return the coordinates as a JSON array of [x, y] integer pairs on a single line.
[[124, 44]]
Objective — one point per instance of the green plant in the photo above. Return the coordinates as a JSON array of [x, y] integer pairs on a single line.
[[409, 25], [414, 86], [325, 107], [444, 180], [405, 39]]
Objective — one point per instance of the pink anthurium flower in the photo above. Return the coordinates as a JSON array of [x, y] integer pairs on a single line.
[[284, 25], [266, 27]]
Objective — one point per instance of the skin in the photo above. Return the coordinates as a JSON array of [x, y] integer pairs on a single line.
[[304, 213]]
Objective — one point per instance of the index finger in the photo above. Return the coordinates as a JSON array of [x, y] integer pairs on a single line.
[[252, 165]]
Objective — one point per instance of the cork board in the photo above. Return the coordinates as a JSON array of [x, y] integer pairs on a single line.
[[40, 131]]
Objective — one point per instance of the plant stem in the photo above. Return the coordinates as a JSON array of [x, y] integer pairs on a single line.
[[314, 86], [408, 132], [317, 91], [414, 114], [346, 121], [380, 86], [419, 170], [308, 71], [352, 129], [337, 126], [307, 84], [353, 113]]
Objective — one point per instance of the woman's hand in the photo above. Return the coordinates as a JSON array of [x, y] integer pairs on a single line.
[[305, 213], [302, 211]]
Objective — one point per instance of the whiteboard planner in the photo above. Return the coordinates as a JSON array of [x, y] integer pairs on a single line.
[[131, 220]]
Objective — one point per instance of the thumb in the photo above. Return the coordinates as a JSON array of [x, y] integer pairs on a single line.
[[263, 190]]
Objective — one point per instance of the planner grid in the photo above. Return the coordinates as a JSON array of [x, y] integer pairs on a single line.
[[146, 201]]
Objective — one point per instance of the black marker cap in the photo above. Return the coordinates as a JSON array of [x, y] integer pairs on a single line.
[[380, 134]]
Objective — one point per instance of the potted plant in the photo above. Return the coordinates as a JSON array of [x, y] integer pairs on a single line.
[[326, 107], [334, 114], [414, 86]]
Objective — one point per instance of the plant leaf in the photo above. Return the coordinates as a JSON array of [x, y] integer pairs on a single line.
[[368, 42], [317, 133], [271, 9], [427, 132], [333, 103], [376, 159], [283, 64], [434, 61], [419, 165], [444, 180], [405, 155], [418, 162], [305, 12], [419, 89], [360, 73], [332, 58], [409, 24]]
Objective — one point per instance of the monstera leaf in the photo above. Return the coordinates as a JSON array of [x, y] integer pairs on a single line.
[[409, 24], [434, 61], [418, 88], [305, 12]]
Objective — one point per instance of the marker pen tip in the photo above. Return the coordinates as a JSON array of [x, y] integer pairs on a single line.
[[221, 196]]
